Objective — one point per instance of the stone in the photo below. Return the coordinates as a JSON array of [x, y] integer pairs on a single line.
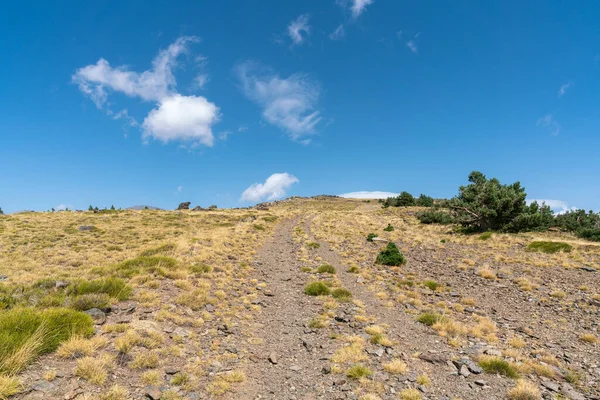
[[295, 368], [3, 277], [42, 386], [61, 284], [273, 358], [153, 393], [171, 370], [433, 358], [209, 308], [197, 208], [588, 269], [84, 228], [326, 370], [480, 382], [552, 386], [464, 371], [360, 279], [184, 206], [212, 207], [98, 316], [474, 368]]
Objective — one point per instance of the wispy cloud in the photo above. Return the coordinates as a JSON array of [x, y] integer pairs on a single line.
[[356, 7], [176, 117], [274, 187], [299, 29], [563, 89], [412, 46], [363, 194], [558, 206], [549, 123], [338, 33], [288, 103]]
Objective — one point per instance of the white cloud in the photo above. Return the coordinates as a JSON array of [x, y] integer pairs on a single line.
[[368, 195], [563, 89], [412, 46], [357, 7], [179, 188], [558, 206], [63, 207], [338, 33], [273, 188], [182, 118], [288, 103], [549, 122], [242, 128], [299, 29], [176, 117]]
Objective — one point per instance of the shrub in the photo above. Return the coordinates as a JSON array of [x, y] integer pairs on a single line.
[[410, 394], [200, 269], [370, 237], [341, 294], [391, 256], [26, 333], [388, 228], [113, 287], [313, 245], [533, 218], [90, 300], [152, 264], [317, 288], [165, 248], [485, 236], [358, 371], [435, 216], [524, 390], [353, 269], [92, 369], [403, 200], [326, 269], [424, 201], [549, 247], [431, 284], [496, 365], [430, 318]]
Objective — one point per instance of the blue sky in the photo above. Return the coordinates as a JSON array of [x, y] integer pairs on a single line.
[[234, 102]]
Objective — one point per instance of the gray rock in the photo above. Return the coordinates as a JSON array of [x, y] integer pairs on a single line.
[[84, 228], [171, 370], [552, 386], [42, 386], [295, 368], [3, 277], [153, 393], [184, 206], [464, 371], [98, 316], [273, 357], [588, 269]]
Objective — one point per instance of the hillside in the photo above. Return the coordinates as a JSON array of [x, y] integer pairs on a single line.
[[287, 302]]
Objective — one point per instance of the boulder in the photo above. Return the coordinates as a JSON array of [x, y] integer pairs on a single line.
[[184, 206]]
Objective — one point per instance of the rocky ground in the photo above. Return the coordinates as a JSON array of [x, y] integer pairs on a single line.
[[248, 330]]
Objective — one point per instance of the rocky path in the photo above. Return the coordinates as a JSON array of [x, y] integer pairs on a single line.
[[287, 361]]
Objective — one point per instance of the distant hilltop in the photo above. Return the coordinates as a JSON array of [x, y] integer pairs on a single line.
[[143, 208]]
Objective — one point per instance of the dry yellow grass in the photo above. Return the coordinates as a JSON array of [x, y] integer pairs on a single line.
[[78, 346], [524, 390], [8, 386], [93, 369], [589, 338], [395, 367]]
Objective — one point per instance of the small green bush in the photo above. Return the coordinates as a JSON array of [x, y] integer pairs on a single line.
[[391, 256], [434, 217], [485, 236], [496, 365], [431, 284], [358, 371], [549, 247], [313, 245], [388, 228], [165, 248], [259, 227], [326, 269], [200, 269], [114, 287], [90, 300], [370, 237], [353, 269], [341, 294], [317, 288], [429, 318]]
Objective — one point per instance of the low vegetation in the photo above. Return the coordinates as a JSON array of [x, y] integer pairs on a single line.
[[549, 247], [317, 288], [391, 256]]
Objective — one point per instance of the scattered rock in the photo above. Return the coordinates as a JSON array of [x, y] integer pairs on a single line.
[[153, 393], [434, 358], [464, 371], [552, 386], [84, 228], [588, 269], [273, 358], [98, 316], [171, 370], [184, 206]]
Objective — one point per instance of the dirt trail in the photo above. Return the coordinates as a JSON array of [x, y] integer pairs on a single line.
[[288, 364]]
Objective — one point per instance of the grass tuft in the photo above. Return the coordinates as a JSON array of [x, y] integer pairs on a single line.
[[496, 365], [326, 269], [524, 390], [317, 288], [430, 318], [358, 371], [549, 247], [341, 294]]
